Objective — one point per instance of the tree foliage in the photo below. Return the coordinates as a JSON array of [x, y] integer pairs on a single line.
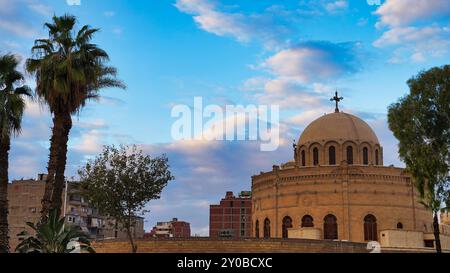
[[54, 236], [121, 181], [421, 123]]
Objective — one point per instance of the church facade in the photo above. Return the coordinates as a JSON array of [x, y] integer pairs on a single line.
[[337, 188]]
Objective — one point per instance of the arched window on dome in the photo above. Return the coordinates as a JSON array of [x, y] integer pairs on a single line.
[[303, 158], [307, 221], [332, 155], [377, 160], [315, 156], [330, 227], [399, 225], [370, 228], [287, 223], [266, 228], [365, 156], [257, 229], [350, 155]]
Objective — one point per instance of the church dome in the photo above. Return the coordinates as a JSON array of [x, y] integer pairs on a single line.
[[338, 127]]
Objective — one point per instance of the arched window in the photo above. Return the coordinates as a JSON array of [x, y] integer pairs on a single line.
[[350, 155], [365, 156], [257, 229], [266, 228], [330, 227], [287, 223], [399, 225], [332, 155], [370, 228], [307, 221], [303, 158], [315, 156], [377, 162]]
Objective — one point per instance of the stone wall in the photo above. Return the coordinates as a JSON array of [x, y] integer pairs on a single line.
[[207, 245]]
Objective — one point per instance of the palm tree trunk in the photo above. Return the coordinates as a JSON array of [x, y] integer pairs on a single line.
[[51, 169], [437, 238], [66, 122], [4, 151]]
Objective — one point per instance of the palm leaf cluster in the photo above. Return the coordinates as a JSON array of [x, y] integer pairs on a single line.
[[54, 237]]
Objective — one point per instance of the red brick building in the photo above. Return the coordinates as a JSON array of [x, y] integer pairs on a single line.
[[172, 229], [232, 218]]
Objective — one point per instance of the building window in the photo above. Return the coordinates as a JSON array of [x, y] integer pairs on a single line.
[[332, 155], [399, 225], [350, 155], [376, 158], [257, 229], [307, 221], [429, 243], [370, 228], [266, 228], [287, 223], [330, 227], [303, 158], [315, 156], [365, 156]]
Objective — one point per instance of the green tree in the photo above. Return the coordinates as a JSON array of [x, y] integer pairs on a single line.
[[12, 106], [120, 182], [69, 70], [421, 123], [54, 236]]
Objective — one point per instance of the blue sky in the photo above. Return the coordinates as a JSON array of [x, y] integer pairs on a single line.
[[290, 53]]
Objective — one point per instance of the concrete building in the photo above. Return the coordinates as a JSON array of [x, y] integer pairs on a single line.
[[232, 217], [113, 230], [172, 229], [337, 188], [25, 205]]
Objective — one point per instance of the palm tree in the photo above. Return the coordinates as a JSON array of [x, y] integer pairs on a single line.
[[12, 106], [54, 237], [69, 70]]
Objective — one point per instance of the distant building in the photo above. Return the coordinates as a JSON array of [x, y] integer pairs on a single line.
[[172, 229], [113, 230], [25, 198], [232, 217]]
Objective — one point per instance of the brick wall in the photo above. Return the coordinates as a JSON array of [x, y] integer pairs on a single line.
[[207, 245]]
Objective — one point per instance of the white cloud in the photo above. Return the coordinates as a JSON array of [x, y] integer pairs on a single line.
[[73, 2], [396, 13], [240, 26], [416, 43], [109, 13], [40, 8], [18, 28], [336, 6], [288, 94], [314, 61]]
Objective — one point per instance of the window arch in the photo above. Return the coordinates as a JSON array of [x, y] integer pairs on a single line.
[[315, 156], [365, 156], [303, 158], [350, 155], [330, 227], [266, 228], [257, 229], [307, 221], [377, 160], [370, 228], [399, 225], [332, 155], [287, 223]]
